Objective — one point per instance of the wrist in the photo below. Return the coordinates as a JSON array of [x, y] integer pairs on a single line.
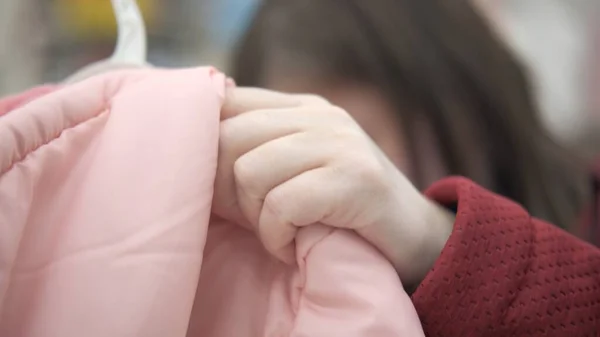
[[439, 222], [432, 224], [411, 231]]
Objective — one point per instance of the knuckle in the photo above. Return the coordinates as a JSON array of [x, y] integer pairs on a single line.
[[367, 168], [372, 173], [244, 173], [348, 139], [274, 204], [310, 99], [342, 117], [338, 111]]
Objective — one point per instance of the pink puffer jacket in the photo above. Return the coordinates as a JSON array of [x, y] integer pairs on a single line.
[[105, 199]]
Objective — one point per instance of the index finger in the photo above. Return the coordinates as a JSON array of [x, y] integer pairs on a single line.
[[239, 100]]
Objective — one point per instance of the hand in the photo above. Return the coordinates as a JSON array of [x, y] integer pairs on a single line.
[[288, 161]]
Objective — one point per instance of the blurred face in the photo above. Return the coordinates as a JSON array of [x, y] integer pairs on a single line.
[[376, 115]]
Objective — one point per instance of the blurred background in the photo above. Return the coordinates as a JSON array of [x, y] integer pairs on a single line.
[[46, 40]]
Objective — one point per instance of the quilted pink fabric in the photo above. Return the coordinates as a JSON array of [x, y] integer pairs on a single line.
[[105, 230]]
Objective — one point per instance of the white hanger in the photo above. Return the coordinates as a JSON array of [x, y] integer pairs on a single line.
[[130, 49], [131, 33]]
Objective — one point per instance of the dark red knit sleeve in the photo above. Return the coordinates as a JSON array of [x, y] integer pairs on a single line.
[[504, 273]]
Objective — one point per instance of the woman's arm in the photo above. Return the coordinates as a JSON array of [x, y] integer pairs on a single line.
[[504, 273]]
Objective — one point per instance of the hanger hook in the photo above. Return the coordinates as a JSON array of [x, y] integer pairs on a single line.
[[131, 33]]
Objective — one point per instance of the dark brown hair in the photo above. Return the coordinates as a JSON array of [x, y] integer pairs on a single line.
[[434, 59]]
